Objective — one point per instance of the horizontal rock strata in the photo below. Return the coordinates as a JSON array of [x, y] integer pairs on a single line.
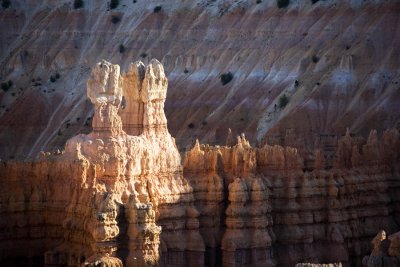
[[121, 195]]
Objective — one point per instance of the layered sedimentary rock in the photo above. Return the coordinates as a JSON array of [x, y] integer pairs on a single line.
[[336, 61], [317, 215], [121, 195], [110, 198]]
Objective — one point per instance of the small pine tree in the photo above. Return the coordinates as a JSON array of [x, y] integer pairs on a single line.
[[78, 4], [5, 3], [282, 3], [114, 4], [157, 9], [283, 101], [115, 19], [121, 48], [226, 77]]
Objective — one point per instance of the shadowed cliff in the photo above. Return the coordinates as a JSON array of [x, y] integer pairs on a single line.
[[335, 61]]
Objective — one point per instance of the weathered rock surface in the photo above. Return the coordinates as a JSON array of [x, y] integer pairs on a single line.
[[385, 251], [277, 213], [110, 198], [121, 195], [354, 83]]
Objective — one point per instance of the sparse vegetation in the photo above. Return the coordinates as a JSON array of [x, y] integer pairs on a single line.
[[226, 77], [55, 77], [157, 9], [121, 48], [283, 101], [78, 4], [115, 19], [282, 3], [114, 4], [6, 85], [315, 58], [5, 3]]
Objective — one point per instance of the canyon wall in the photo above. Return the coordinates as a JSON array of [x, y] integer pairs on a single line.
[[275, 212], [342, 53], [122, 195], [110, 198]]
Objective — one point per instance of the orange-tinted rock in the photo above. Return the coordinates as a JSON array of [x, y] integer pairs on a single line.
[[121, 194]]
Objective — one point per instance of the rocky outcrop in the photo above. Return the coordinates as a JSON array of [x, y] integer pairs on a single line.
[[125, 200], [322, 215], [121, 195], [385, 251], [337, 68]]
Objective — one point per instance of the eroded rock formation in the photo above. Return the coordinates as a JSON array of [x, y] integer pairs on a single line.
[[385, 251], [293, 215], [121, 195], [116, 195]]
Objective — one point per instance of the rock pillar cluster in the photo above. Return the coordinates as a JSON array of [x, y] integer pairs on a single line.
[[114, 197], [121, 196]]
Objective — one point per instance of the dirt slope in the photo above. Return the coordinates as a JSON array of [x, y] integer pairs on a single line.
[[345, 56]]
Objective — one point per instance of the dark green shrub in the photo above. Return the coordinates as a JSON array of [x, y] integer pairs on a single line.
[[191, 125], [121, 48], [5, 3], [226, 77], [4, 87], [114, 4], [53, 79], [115, 19], [315, 58], [296, 83], [186, 71], [258, 1], [57, 75], [78, 4], [314, 1], [157, 9], [143, 55], [283, 100], [282, 3]]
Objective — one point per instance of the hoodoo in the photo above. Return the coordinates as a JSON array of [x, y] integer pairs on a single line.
[[122, 196]]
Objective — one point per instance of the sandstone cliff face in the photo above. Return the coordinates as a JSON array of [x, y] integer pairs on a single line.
[[353, 83]]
